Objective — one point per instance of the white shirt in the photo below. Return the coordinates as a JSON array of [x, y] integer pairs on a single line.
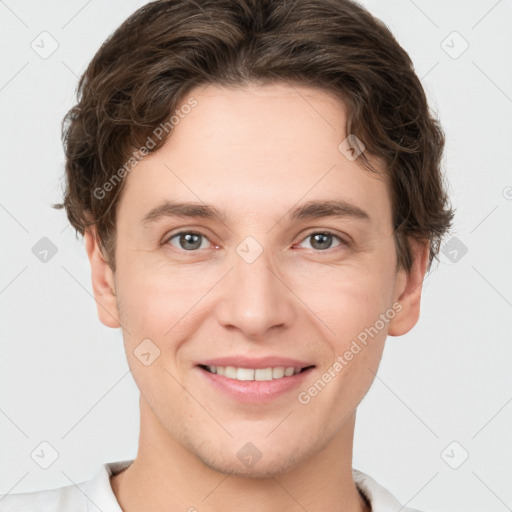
[[97, 495]]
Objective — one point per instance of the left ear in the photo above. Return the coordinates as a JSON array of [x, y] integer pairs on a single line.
[[408, 287]]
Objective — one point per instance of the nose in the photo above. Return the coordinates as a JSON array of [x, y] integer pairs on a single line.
[[255, 298]]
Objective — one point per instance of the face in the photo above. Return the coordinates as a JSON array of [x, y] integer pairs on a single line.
[[297, 267]]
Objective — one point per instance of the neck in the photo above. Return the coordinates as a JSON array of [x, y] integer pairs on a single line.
[[167, 476]]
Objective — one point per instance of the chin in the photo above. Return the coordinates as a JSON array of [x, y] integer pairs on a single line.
[[250, 462]]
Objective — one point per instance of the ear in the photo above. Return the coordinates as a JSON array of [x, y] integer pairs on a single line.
[[408, 287], [102, 281]]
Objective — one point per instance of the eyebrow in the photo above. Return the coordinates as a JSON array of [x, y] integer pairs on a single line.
[[309, 210]]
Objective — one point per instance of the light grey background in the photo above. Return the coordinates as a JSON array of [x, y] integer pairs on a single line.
[[64, 376]]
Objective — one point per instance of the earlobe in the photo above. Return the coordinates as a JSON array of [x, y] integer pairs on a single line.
[[102, 281], [408, 289]]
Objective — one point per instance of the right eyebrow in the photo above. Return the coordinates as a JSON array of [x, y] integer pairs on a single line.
[[177, 209]]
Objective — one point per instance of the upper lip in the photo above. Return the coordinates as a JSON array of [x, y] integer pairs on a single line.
[[262, 362]]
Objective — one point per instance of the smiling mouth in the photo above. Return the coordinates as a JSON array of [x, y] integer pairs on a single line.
[[255, 374]]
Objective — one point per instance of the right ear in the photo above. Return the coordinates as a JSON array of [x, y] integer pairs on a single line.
[[102, 281]]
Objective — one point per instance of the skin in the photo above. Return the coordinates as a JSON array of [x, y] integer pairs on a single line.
[[254, 152]]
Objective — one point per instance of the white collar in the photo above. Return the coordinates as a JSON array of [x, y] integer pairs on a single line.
[[99, 490]]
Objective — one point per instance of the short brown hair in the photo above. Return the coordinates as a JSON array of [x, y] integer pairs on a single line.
[[168, 47]]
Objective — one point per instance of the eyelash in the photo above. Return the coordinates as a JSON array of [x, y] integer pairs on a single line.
[[342, 241]]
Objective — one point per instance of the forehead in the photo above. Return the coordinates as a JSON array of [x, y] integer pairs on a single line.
[[254, 148]]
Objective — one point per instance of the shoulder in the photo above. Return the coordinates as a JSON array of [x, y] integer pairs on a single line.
[[53, 500], [379, 497], [94, 494]]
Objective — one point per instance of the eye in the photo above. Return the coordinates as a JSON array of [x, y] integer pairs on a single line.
[[191, 241], [187, 240], [322, 240]]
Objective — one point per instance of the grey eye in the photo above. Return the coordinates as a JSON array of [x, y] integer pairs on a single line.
[[187, 241], [321, 241]]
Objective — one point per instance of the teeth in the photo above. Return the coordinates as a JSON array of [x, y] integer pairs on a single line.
[[259, 374], [263, 374], [278, 372], [245, 374], [230, 372]]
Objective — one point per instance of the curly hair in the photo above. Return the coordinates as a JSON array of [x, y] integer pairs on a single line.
[[145, 68]]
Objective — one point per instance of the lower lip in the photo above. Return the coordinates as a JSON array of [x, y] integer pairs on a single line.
[[254, 391]]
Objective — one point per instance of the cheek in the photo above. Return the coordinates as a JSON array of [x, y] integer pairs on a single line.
[[354, 310], [154, 299], [349, 300]]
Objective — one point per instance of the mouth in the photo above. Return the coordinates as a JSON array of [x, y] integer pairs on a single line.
[[253, 380], [255, 374]]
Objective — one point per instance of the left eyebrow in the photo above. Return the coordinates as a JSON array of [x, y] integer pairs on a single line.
[[335, 208], [309, 210]]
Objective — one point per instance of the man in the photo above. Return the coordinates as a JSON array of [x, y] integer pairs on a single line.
[[259, 188]]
